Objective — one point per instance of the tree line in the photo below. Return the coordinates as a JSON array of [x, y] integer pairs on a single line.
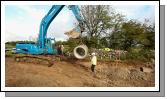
[[105, 28]]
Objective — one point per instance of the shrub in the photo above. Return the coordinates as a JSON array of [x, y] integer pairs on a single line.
[[140, 54]]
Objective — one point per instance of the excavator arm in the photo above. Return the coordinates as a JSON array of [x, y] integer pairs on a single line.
[[76, 11], [53, 12], [44, 45]]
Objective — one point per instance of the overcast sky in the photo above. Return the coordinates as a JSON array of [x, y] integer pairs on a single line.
[[22, 22]]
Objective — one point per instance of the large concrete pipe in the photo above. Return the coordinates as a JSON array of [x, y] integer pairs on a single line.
[[81, 51]]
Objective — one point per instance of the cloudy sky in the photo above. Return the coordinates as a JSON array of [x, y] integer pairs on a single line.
[[22, 21]]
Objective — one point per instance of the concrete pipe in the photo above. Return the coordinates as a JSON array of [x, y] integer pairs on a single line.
[[81, 51]]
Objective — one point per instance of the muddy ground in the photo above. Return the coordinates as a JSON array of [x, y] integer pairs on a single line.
[[77, 73]]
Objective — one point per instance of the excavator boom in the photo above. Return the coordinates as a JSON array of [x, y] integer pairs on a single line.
[[44, 45]]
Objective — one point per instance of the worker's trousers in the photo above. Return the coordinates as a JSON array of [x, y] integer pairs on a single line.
[[93, 67]]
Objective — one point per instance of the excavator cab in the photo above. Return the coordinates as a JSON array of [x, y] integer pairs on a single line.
[[50, 46]]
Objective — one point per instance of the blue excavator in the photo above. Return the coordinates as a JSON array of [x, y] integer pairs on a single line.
[[46, 45]]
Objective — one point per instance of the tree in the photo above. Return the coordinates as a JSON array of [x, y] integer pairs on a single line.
[[149, 41], [97, 19], [97, 22], [100, 20], [116, 40], [116, 37], [136, 33]]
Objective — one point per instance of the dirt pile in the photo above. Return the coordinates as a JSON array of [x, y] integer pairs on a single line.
[[76, 73]]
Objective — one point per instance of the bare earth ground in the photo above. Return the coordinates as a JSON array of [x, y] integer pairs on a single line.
[[77, 74]]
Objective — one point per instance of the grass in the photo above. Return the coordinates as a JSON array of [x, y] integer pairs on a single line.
[[8, 54], [9, 46]]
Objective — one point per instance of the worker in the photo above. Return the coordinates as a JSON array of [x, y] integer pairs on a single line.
[[93, 62], [62, 49], [58, 50]]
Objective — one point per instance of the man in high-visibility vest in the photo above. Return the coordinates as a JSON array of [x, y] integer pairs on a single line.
[[93, 62]]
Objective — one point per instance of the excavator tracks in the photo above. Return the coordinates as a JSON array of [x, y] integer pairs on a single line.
[[39, 59]]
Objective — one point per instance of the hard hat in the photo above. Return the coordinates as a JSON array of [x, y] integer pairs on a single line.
[[93, 54]]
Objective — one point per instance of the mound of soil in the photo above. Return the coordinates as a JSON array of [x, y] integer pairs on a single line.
[[77, 73]]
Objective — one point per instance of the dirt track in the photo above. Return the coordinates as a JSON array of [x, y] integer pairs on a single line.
[[78, 74]]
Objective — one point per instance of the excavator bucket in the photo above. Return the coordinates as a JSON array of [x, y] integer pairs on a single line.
[[73, 33]]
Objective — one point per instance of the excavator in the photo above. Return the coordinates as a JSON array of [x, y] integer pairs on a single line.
[[46, 46]]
